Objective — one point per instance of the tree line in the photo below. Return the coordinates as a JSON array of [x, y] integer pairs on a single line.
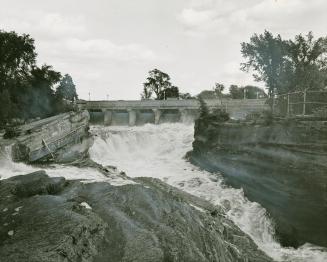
[[26, 89], [158, 86]]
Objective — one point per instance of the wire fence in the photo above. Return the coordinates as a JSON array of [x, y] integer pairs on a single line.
[[301, 103]]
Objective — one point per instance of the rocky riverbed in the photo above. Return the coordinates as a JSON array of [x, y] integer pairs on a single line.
[[54, 219]]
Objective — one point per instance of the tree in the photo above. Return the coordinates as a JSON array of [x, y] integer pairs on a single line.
[[25, 88], [67, 89], [253, 92], [308, 61], [40, 99], [287, 65], [5, 106], [265, 55], [159, 83], [219, 88], [171, 92], [207, 94], [236, 92], [17, 57], [185, 96]]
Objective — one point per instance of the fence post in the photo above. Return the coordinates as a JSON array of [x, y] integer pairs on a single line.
[[288, 104], [304, 101]]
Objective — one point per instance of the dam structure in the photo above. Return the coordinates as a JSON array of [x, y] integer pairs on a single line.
[[137, 112]]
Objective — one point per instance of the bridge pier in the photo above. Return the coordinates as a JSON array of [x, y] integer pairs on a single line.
[[131, 117], [107, 117], [157, 115], [183, 115]]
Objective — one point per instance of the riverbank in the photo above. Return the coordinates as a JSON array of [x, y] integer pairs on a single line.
[[280, 164]]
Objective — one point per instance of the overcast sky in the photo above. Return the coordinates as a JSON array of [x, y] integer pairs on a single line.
[[108, 46]]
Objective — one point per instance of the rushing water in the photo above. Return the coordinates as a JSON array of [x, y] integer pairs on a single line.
[[158, 151]]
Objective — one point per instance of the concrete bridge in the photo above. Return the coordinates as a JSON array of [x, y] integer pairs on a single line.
[[156, 111]]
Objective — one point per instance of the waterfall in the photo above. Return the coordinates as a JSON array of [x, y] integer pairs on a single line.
[[158, 151]]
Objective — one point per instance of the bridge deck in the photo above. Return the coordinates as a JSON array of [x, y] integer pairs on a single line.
[[191, 104]]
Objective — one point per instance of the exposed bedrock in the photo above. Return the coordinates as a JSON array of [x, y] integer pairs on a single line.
[[281, 165], [52, 219]]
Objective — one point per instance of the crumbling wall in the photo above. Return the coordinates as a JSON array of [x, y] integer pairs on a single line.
[[47, 137]]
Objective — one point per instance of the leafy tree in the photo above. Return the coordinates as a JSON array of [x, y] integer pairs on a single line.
[[158, 83], [219, 88], [207, 94], [265, 55], [253, 92], [40, 98], [236, 92], [5, 106], [308, 61], [17, 57], [67, 89], [185, 96], [26, 89], [287, 65], [171, 92]]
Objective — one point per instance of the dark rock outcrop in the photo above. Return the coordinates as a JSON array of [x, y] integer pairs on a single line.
[[51, 219], [281, 164]]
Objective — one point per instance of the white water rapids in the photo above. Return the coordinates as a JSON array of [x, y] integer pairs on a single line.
[[158, 151]]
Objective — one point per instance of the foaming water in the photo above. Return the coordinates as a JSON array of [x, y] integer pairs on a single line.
[[8, 169], [158, 151]]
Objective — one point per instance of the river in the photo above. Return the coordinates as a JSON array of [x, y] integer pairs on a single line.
[[158, 151]]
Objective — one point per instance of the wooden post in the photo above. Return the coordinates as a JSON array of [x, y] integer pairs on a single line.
[[304, 101]]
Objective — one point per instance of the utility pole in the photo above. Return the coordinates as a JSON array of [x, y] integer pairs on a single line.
[[107, 97], [89, 96], [244, 93]]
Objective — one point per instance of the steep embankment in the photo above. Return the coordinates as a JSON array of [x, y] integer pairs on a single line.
[[281, 165], [53, 219]]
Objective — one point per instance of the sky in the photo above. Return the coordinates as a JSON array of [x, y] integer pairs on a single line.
[[109, 46]]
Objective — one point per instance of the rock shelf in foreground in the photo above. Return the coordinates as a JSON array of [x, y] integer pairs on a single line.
[[53, 219]]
